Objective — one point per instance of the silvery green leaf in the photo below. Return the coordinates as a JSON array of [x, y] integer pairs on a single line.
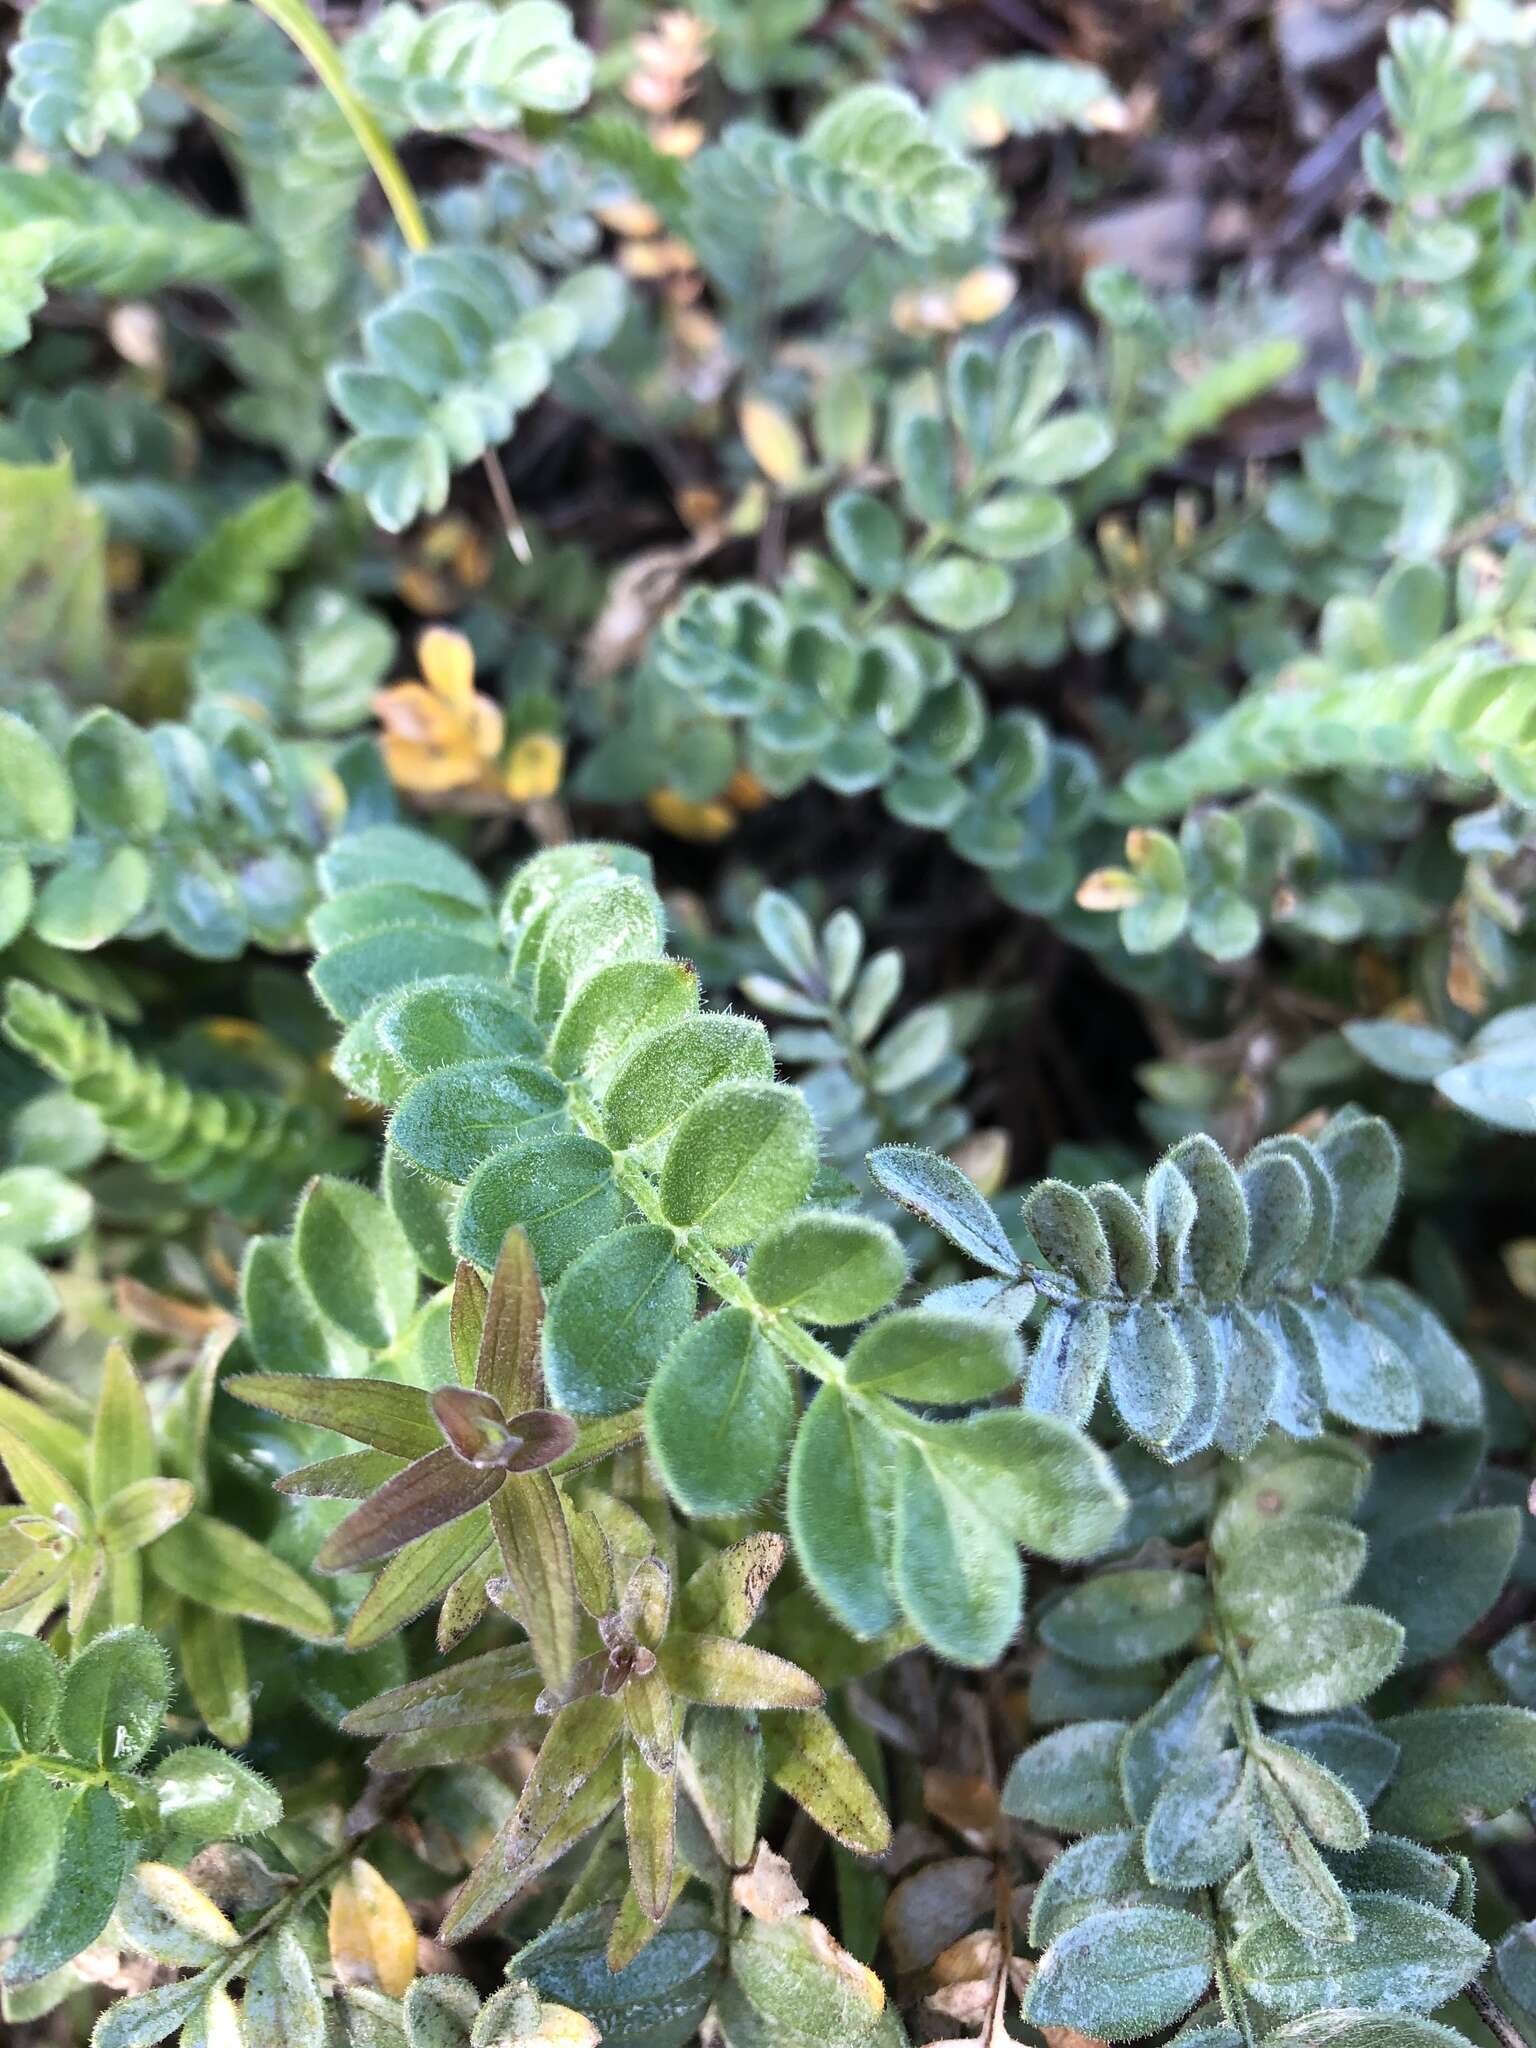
[[1457, 1766], [1296, 1881], [1406, 1957], [1127, 1617], [1064, 1224], [1439, 1581], [1123, 1972], [1069, 1780], [1327, 1658], [1190, 1721], [1102, 1869], [1197, 1833]]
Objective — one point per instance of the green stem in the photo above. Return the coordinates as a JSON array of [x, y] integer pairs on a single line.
[[788, 1338], [64, 1772], [298, 22]]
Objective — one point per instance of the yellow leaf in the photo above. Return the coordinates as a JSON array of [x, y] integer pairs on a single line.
[[221, 2022], [679, 138], [536, 765], [985, 125], [373, 1938], [982, 294], [773, 441], [746, 793], [447, 664], [1520, 1264], [631, 218], [559, 2027], [164, 1914], [1108, 889], [859, 1978], [707, 823]]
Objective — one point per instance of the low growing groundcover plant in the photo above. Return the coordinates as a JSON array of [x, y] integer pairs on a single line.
[[767, 1024]]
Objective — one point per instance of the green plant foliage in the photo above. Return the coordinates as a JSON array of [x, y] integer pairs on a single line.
[[767, 886], [872, 159], [1225, 1301], [668, 1128], [452, 359], [243, 1149], [1252, 1824], [205, 830], [62, 230]]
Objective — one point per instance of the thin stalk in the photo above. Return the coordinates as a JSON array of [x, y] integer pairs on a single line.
[[1502, 2028], [790, 1339], [302, 26], [299, 23]]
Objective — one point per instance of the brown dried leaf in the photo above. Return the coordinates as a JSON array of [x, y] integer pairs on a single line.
[[184, 1322], [935, 1906], [964, 1801], [768, 1890]]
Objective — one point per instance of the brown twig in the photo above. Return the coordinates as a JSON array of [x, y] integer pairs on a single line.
[[1503, 2029]]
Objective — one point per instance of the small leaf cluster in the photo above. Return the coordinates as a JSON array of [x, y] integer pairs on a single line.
[[114, 1526], [82, 1808], [1225, 1301], [637, 1142], [244, 1149], [1254, 1825], [451, 359], [205, 830], [868, 1079]]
